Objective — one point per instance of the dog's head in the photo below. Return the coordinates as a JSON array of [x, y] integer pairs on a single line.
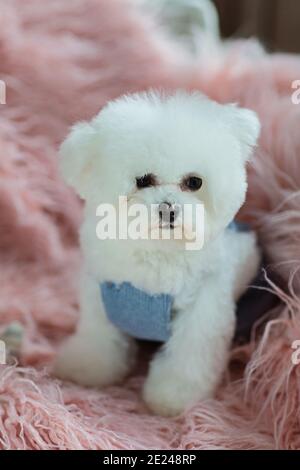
[[167, 152]]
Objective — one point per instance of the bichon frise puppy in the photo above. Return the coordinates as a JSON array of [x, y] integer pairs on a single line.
[[164, 152]]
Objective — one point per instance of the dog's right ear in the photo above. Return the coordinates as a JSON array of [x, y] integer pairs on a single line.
[[77, 154]]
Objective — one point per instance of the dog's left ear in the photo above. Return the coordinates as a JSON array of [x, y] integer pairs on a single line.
[[246, 126], [77, 154]]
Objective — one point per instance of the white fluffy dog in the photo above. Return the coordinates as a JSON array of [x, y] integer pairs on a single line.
[[154, 149]]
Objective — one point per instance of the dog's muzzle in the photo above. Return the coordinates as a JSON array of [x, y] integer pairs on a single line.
[[168, 213]]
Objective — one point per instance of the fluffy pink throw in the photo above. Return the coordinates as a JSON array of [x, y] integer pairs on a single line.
[[61, 62]]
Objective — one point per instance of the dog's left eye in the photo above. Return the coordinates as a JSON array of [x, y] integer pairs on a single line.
[[191, 183], [145, 181]]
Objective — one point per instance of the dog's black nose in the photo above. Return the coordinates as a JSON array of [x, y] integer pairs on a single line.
[[167, 212]]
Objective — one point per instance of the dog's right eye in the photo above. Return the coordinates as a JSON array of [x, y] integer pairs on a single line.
[[145, 181]]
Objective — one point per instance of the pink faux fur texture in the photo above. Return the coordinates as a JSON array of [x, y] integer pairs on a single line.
[[61, 62]]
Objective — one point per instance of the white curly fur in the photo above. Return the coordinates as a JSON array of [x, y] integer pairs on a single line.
[[169, 136]]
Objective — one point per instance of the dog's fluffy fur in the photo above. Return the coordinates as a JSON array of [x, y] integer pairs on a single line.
[[168, 136]]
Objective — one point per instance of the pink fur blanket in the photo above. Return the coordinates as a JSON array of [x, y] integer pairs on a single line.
[[61, 61]]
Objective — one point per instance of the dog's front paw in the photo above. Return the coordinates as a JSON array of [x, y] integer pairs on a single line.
[[168, 392], [91, 364]]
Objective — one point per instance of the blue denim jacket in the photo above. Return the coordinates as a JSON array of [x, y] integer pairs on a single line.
[[139, 314]]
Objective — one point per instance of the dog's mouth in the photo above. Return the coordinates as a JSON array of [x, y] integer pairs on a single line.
[[169, 226]]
